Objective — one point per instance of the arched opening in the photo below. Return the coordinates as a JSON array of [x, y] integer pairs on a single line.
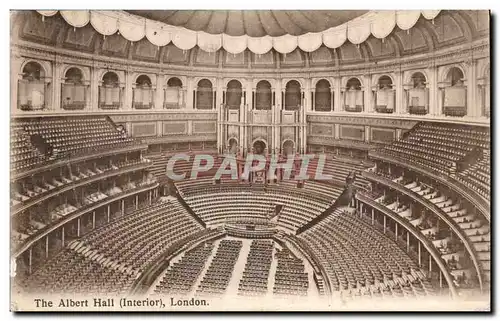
[[143, 93], [233, 94], [288, 147], [110, 92], [233, 146], [263, 96], [323, 96], [455, 95], [293, 95], [384, 100], [74, 91], [418, 97], [173, 94], [259, 147], [32, 87], [204, 95], [353, 101]]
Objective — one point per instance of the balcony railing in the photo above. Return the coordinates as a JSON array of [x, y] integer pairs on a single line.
[[354, 109], [418, 110]]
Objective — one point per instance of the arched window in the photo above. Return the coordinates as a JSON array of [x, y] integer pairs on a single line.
[[32, 87], [263, 96], [110, 91], [74, 91], [173, 94], [455, 96], [353, 98], [143, 93], [233, 94], [293, 95], [385, 95], [418, 95], [204, 95], [323, 96]]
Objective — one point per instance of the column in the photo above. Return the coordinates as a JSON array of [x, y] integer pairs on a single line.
[[472, 106], [62, 236], [432, 86], [399, 99], [30, 260], [159, 94], [108, 213], [337, 130], [56, 82], [15, 74], [396, 236], [337, 102], [123, 207], [367, 134], [47, 246], [136, 201], [368, 93], [78, 227], [385, 223], [127, 100], [407, 241], [190, 98], [430, 263], [373, 216], [419, 255], [94, 88], [93, 220]]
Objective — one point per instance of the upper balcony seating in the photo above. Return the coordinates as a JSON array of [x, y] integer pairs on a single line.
[[256, 273], [439, 146], [219, 273], [359, 260], [478, 176], [41, 139]]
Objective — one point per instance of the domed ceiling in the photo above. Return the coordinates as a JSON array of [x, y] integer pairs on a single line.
[[113, 34], [253, 23]]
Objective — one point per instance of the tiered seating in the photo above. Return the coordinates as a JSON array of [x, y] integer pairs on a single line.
[[361, 261], [339, 169], [290, 278], [478, 176], [218, 275], [229, 201], [22, 153], [439, 146], [474, 226], [181, 276], [160, 161], [27, 192], [256, 273], [72, 273], [60, 137], [139, 238]]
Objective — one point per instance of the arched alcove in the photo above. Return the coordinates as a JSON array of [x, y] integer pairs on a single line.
[[323, 96]]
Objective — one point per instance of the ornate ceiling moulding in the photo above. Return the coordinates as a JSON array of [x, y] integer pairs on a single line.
[[133, 28]]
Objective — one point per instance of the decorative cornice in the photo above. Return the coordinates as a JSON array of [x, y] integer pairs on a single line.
[[478, 49], [377, 122]]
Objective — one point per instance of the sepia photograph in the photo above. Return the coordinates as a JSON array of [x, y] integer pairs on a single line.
[[250, 160]]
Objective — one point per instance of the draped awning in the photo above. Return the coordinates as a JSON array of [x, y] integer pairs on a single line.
[[133, 28]]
